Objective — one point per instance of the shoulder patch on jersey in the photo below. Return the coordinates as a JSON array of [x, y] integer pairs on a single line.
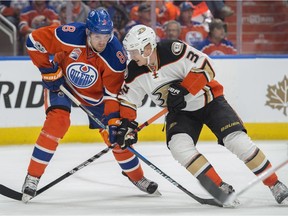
[[75, 54], [177, 48], [170, 51]]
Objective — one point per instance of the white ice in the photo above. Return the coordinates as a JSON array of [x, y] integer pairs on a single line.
[[100, 188]]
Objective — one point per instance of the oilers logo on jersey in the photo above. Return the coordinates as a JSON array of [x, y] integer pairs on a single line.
[[193, 37], [81, 75]]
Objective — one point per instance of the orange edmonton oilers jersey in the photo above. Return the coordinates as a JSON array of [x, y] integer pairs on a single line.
[[29, 15], [225, 47], [193, 34], [92, 77]]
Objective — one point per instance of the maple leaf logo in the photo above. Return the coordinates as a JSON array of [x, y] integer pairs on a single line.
[[278, 96]]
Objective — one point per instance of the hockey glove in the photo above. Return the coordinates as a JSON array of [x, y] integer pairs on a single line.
[[175, 98], [125, 135], [113, 128], [52, 77]]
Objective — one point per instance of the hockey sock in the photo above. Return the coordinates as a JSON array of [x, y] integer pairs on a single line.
[[241, 145], [200, 167], [55, 127], [258, 163], [128, 162]]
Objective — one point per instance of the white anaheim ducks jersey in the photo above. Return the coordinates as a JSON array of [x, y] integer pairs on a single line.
[[176, 62]]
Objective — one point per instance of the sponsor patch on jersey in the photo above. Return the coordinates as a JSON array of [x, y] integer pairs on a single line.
[[40, 47], [75, 54], [177, 48], [82, 75]]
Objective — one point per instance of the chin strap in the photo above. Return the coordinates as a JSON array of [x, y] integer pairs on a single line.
[[148, 57]]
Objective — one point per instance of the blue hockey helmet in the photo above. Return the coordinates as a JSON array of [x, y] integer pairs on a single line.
[[99, 21]]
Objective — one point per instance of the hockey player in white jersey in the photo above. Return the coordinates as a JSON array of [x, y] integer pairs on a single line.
[[178, 76]]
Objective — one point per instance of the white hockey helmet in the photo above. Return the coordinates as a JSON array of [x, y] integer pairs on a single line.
[[138, 37]]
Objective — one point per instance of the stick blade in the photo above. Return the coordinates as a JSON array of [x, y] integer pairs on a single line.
[[5, 191]]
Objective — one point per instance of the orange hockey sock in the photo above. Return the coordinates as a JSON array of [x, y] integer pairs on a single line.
[[272, 179], [128, 162], [211, 173], [56, 125], [200, 167]]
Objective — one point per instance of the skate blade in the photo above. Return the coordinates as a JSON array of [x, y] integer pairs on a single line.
[[231, 202], [284, 202], [26, 198], [156, 193]]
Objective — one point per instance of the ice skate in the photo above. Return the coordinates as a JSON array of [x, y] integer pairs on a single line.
[[29, 188], [280, 192], [145, 185], [228, 189]]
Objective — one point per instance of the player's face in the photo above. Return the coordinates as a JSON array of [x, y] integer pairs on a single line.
[[140, 58], [137, 57], [99, 41]]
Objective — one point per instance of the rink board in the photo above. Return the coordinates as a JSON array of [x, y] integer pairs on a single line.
[[255, 86], [27, 135]]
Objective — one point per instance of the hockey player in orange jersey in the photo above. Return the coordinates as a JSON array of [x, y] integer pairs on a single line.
[[157, 69], [89, 61]]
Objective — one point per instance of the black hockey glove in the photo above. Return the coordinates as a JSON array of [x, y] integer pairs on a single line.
[[124, 136], [175, 98]]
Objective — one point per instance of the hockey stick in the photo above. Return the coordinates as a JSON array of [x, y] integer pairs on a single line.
[[8, 192], [172, 181], [78, 103], [260, 178], [198, 199]]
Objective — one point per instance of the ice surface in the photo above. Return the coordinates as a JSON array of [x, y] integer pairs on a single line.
[[100, 188]]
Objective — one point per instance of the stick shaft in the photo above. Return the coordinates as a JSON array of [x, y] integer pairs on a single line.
[[175, 183], [162, 112], [78, 103], [262, 177], [8, 192]]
